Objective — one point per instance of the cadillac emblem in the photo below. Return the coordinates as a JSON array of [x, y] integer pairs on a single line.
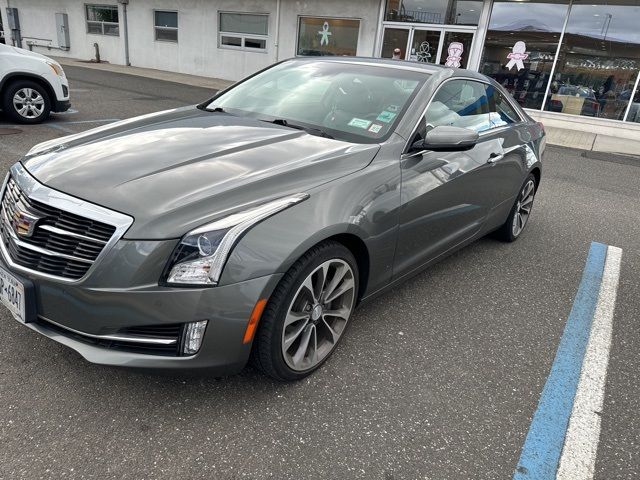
[[24, 223]]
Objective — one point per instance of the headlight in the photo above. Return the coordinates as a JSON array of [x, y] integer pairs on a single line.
[[203, 252], [56, 68]]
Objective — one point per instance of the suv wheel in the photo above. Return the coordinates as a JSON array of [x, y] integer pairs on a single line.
[[26, 102]]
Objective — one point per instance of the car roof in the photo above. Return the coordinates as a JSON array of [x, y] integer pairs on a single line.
[[427, 68]]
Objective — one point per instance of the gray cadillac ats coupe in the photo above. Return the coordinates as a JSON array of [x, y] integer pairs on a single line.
[[253, 224]]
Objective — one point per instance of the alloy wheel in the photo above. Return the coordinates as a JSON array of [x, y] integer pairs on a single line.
[[318, 315], [523, 208], [28, 103]]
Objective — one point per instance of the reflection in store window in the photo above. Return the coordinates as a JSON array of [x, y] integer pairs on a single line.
[[457, 46], [328, 36], [520, 47], [599, 61], [452, 12], [394, 39], [634, 108]]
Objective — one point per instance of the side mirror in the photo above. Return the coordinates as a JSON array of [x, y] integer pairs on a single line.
[[446, 138]]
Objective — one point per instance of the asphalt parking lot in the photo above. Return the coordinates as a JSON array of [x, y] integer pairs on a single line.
[[438, 379]]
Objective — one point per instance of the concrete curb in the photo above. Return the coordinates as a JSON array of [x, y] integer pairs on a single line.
[[193, 80], [585, 134]]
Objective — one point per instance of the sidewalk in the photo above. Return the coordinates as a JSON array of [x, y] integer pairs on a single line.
[[591, 137], [585, 133], [193, 80]]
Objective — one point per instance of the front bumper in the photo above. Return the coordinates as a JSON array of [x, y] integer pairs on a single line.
[[76, 315], [60, 106], [60, 86]]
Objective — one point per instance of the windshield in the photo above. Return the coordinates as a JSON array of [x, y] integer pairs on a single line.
[[352, 102]]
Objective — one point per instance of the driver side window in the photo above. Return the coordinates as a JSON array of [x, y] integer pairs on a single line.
[[458, 103]]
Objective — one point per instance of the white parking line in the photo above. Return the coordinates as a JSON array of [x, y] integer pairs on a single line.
[[581, 442]]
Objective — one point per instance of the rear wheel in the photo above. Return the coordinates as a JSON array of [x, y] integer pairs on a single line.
[[307, 313], [26, 102], [520, 212]]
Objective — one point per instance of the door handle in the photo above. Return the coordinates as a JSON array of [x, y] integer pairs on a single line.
[[495, 157]]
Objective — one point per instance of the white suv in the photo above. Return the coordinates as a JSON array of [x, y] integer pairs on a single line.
[[31, 85]]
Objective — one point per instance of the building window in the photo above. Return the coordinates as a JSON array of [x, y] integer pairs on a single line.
[[450, 12], [102, 19], [328, 36], [598, 62], [521, 45], [246, 31], [166, 25]]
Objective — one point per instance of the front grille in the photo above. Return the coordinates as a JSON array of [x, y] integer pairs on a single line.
[[50, 240]]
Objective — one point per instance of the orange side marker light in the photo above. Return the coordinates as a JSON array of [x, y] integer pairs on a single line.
[[253, 320]]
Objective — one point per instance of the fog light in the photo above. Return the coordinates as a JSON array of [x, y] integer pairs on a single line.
[[193, 335]]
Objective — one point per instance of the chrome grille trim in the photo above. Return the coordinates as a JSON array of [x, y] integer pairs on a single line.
[[44, 251], [66, 233], [67, 204]]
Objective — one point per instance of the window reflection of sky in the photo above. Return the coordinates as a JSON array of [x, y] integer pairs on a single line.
[[610, 22]]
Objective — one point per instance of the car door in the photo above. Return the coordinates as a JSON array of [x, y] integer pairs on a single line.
[[442, 199], [501, 177]]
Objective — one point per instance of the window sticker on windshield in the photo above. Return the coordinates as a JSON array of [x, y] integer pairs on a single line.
[[386, 117], [393, 108], [359, 123], [375, 128]]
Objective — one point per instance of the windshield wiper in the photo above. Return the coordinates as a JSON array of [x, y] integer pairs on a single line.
[[311, 130]]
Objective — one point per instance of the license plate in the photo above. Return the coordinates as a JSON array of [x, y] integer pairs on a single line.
[[12, 294]]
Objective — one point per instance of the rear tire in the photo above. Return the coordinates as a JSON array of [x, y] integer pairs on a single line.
[[307, 313], [518, 218], [25, 101]]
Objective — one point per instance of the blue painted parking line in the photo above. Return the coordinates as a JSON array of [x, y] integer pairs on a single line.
[[543, 445]]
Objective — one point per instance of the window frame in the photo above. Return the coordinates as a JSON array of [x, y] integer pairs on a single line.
[[299, 24], [102, 24], [156, 27], [243, 36], [492, 107], [407, 146]]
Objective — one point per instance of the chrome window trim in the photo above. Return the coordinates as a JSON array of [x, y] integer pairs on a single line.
[[117, 338], [484, 132], [41, 193]]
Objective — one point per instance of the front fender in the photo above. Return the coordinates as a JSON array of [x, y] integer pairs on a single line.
[[364, 204]]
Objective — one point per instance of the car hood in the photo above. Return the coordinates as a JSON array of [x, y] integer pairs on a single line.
[[26, 53], [176, 170]]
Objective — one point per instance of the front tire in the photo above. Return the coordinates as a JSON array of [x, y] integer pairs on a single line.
[[307, 313], [26, 102], [518, 218]]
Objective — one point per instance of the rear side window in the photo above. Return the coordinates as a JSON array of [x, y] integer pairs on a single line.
[[501, 112], [459, 103]]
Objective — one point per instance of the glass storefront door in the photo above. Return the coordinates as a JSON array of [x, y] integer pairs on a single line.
[[395, 39], [456, 48], [424, 46], [442, 46]]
